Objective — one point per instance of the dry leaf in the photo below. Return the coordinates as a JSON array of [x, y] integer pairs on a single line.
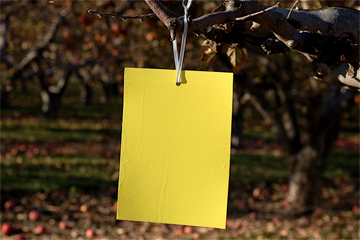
[[237, 58], [206, 57]]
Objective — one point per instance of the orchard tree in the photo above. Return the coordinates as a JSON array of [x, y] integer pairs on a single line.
[[40, 59], [327, 36], [58, 42], [304, 106]]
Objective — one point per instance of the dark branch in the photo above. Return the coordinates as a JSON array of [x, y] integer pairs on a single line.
[[4, 24], [7, 3], [31, 56], [257, 13], [311, 33], [124, 17]]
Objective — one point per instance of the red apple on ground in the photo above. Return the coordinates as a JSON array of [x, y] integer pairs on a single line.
[[188, 229], [196, 236], [40, 230], [286, 202], [20, 237], [284, 187], [179, 232], [63, 225], [34, 215], [275, 220], [116, 28], [90, 233], [355, 209], [228, 221], [7, 229], [9, 205], [253, 216], [237, 225]]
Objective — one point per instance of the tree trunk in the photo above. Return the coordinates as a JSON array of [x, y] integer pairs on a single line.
[[308, 164], [4, 102], [51, 104], [105, 92], [86, 94], [306, 168], [237, 121]]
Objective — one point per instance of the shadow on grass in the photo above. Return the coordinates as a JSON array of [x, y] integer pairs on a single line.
[[64, 172], [64, 177]]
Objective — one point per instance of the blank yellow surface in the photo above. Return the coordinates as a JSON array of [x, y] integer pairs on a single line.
[[175, 149]]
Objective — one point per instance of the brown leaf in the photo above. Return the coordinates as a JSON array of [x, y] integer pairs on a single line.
[[206, 57], [236, 57]]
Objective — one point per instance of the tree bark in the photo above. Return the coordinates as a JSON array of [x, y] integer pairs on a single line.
[[86, 91], [4, 98], [327, 35], [51, 104], [306, 168], [237, 120], [308, 164], [86, 94]]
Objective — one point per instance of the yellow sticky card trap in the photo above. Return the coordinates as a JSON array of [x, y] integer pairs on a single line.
[[175, 149]]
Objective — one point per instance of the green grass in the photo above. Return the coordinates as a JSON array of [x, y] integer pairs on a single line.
[[29, 103], [259, 167], [60, 130], [56, 173], [64, 172], [253, 167], [101, 123], [343, 163]]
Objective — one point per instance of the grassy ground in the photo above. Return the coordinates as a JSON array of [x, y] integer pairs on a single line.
[[67, 170]]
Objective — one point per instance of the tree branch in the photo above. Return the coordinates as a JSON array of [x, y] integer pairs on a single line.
[[124, 17], [40, 49], [163, 13], [324, 35], [257, 13], [7, 3], [4, 24]]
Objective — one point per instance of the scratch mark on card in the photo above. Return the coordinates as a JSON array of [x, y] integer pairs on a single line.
[[161, 206], [122, 170]]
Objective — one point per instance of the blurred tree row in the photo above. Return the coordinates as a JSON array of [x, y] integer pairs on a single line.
[[53, 44], [61, 41]]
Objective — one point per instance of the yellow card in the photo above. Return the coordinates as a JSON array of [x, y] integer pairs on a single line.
[[175, 149]]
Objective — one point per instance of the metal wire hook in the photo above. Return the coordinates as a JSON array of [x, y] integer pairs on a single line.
[[188, 4], [179, 61]]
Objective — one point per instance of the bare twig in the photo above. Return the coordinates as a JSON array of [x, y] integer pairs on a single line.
[[32, 55], [4, 25], [140, 17], [292, 8], [219, 7], [330, 83], [7, 3], [257, 13]]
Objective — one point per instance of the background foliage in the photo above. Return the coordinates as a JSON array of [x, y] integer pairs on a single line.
[[67, 169]]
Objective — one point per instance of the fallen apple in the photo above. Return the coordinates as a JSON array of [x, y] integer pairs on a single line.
[[20, 237], [9, 205], [40, 230], [90, 233], [34, 215], [7, 229], [63, 225]]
